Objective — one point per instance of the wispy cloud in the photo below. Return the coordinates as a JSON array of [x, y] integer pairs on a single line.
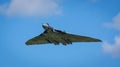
[[113, 49], [115, 22], [31, 8]]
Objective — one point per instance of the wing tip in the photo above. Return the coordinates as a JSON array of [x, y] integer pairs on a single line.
[[27, 43], [98, 40]]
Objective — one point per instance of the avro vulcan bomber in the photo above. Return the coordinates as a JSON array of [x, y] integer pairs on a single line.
[[54, 36]]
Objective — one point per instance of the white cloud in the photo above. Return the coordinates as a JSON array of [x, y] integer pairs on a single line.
[[31, 7], [113, 49], [115, 22]]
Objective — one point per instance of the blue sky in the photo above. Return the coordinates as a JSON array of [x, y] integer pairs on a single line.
[[21, 20]]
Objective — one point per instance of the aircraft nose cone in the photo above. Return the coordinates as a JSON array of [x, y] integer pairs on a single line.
[[45, 25]]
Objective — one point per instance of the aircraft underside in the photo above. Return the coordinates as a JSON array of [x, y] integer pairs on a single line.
[[57, 38]]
